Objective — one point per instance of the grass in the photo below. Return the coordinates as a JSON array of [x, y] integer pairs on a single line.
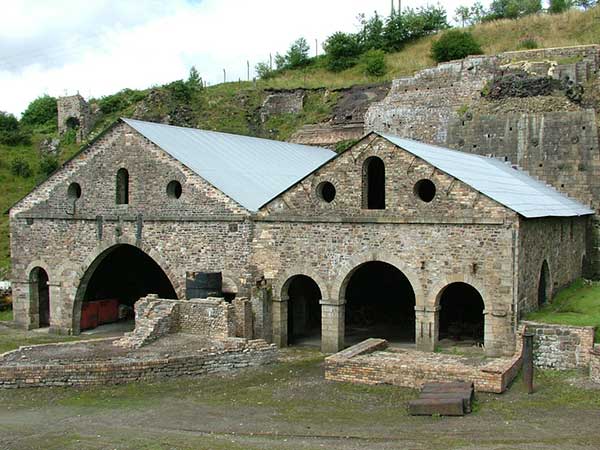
[[577, 304], [11, 339], [6, 316]]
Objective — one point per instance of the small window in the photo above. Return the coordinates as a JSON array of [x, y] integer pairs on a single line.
[[174, 189], [425, 190], [373, 183], [122, 187], [74, 191], [326, 191]]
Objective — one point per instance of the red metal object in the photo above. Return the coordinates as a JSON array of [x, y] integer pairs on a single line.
[[108, 311], [89, 315]]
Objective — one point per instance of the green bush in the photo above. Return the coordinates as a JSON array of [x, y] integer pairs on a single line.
[[455, 44], [374, 61], [20, 168], [528, 44], [119, 101], [559, 6], [41, 111], [342, 51], [11, 132], [264, 71], [48, 165]]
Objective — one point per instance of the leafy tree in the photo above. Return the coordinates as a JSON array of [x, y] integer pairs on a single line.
[[455, 44], [10, 131], [342, 50], [559, 6], [180, 91], [462, 15], [413, 24], [371, 33], [194, 80], [513, 9], [264, 71], [374, 61], [41, 111], [296, 56]]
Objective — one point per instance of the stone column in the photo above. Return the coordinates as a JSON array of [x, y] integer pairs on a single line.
[[499, 336], [427, 323], [280, 325], [332, 326]]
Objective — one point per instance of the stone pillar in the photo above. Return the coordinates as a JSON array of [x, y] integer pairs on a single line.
[[332, 326], [280, 325], [499, 336], [427, 324]]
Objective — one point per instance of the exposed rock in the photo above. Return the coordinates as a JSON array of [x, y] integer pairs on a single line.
[[49, 146]]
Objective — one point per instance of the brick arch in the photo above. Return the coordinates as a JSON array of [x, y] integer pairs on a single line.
[[340, 283], [438, 289], [84, 272], [285, 278]]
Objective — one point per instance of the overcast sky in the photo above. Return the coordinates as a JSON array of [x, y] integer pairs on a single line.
[[98, 47]]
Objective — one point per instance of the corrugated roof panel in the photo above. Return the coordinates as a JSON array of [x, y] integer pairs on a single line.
[[252, 171], [499, 181]]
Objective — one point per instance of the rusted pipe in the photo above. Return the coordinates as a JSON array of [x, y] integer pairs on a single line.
[[528, 361]]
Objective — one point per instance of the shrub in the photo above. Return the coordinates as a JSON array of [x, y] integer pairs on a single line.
[[455, 44], [20, 168], [374, 61], [41, 111], [342, 51], [48, 165], [119, 101], [559, 6], [10, 131], [264, 71], [528, 44], [180, 91]]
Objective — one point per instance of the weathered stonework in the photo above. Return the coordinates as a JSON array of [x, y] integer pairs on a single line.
[[282, 102], [75, 113], [561, 347], [595, 365]]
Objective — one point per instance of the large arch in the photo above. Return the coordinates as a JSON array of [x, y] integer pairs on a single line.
[[379, 302], [124, 272], [39, 296], [461, 314], [303, 297], [544, 291]]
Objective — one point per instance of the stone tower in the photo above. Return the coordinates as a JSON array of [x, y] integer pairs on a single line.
[[74, 113]]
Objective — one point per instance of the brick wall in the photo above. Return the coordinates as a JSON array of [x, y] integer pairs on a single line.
[[235, 356], [560, 346]]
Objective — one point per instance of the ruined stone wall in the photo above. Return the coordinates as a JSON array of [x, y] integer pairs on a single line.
[[595, 365], [75, 113], [282, 102], [561, 242], [561, 347], [203, 230], [210, 317]]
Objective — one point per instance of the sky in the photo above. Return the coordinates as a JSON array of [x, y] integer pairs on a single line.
[[98, 47]]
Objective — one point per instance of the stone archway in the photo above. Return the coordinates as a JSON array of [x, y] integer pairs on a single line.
[[123, 272], [461, 314], [303, 310], [39, 297]]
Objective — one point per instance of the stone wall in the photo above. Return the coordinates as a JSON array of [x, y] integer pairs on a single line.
[[282, 102], [75, 113], [236, 355], [209, 317], [561, 347]]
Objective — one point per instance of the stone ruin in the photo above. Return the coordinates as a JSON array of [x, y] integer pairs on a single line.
[[74, 113]]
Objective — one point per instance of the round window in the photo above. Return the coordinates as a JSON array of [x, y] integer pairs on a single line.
[[174, 189], [425, 190], [326, 191], [74, 191]]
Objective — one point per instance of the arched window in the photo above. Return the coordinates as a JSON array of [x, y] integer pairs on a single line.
[[373, 184], [122, 187]]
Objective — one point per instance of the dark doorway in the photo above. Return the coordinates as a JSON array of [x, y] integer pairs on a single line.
[[123, 276], [373, 183], [461, 314], [380, 303], [304, 311], [72, 123], [40, 294], [544, 285]]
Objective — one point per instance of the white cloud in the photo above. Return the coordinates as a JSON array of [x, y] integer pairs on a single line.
[[98, 47]]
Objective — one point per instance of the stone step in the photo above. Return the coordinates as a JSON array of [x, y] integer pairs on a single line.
[[431, 406]]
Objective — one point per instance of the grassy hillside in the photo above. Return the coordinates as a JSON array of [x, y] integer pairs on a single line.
[[234, 107]]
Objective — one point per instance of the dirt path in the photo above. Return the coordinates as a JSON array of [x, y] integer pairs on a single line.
[[289, 405]]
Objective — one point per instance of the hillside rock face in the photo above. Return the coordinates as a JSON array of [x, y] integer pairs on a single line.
[[551, 137]]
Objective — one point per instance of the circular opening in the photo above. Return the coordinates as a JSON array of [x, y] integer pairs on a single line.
[[326, 191], [174, 189], [425, 190], [74, 191]]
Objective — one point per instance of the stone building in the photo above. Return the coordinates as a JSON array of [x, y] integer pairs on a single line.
[[74, 113], [392, 238]]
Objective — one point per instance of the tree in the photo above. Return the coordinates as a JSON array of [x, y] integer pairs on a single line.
[[559, 6], [371, 34], [264, 71], [10, 131], [42, 111], [194, 80], [374, 61], [462, 15], [297, 55], [513, 9], [342, 50], [454, 44]]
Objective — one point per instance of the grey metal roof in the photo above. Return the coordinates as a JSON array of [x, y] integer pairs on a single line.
[[249, 170], [496, 179]]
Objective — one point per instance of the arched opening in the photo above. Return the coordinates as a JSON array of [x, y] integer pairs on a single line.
[[114, 282], [39, 294], [380, 303], [461, 315], [373, 183], [122, 187], [72, 123], [304, 311], [544, 286]]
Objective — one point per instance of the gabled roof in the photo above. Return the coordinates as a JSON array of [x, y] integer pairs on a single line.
[[251, 171], [496, 179]]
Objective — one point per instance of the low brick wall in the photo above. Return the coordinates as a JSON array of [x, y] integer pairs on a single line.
[[210, 317], [561, 347], [370, 363], [595, 364], [237, 354]]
